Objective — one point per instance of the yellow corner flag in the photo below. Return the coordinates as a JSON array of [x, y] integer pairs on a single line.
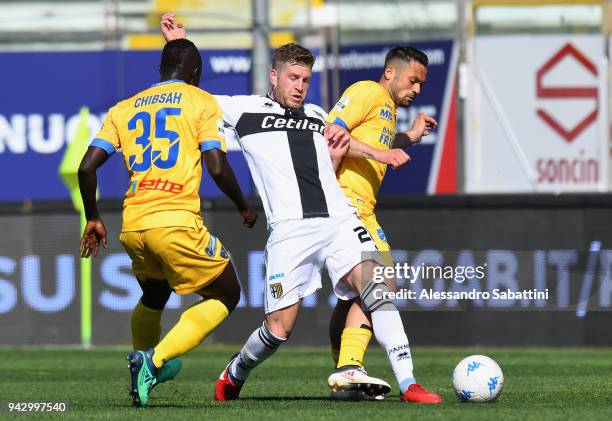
[[68, 171], [72, 158]]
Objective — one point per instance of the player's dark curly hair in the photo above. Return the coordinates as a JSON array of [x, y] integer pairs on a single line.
[[292, 54], [180, 54], [406, 53]]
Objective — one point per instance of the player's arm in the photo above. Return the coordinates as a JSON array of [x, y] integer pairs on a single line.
[[335, 133], [421, 127], [354, 107], [221, 172], [211, 132], [95, 231], [394, 157], [104, 145]]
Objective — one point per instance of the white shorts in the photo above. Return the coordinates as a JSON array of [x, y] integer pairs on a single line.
[[297, 251]]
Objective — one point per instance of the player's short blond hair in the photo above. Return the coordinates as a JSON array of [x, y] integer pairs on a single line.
[[292, 54]]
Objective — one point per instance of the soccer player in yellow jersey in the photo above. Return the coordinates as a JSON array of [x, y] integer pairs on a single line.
[[367, 109], [164, 133]]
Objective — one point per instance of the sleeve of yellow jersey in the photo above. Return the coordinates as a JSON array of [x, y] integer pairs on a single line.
[[108, 136], [352, 108], [210, 131]]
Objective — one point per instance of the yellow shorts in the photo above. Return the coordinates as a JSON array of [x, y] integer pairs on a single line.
[[378, 235], [188, 258]]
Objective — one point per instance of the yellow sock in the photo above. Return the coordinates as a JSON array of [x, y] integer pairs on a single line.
[[146, 327], [355, 340], [194, 325]]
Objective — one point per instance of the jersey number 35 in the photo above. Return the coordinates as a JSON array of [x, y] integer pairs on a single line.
[[150, 156]]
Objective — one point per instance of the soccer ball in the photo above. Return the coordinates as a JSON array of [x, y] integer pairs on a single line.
[[478, 378]]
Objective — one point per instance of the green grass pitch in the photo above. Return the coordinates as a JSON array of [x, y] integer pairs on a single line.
[[541, 383]]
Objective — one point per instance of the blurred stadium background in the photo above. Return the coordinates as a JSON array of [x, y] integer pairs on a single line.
[[516, 177]]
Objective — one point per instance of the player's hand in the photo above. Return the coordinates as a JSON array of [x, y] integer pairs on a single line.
[[421, 126], [338, 148], [335, 133], [93, 235], [249, 217], [338, 140], [170, 28], [394, 157]]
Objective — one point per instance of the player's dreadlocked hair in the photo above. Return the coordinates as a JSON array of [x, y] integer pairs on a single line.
[[180, 54], [406, 53], [292, 54]]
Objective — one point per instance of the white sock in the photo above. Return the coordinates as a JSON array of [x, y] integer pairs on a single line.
[[261, 344], [389, 332]]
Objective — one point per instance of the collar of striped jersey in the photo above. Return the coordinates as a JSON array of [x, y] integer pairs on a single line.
[[288, 110], [165, 82]]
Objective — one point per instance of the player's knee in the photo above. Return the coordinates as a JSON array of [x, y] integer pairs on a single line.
[[391, 284], [362, 274], [155, 293], [232, 296], [380, 273], [279, 327], [375, 296], [228, 288], [343, 306]]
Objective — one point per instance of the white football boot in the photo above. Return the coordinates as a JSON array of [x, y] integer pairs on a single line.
[[353, 383]]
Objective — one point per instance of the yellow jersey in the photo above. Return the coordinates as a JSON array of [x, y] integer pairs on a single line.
[[162, 132], [368, 112]]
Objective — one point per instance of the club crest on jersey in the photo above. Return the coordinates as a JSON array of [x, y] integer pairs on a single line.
[[276, 289]]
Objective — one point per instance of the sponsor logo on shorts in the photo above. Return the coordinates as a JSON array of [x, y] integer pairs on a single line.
[[276, 290], [212, 246], [381, 234], [276, 276]]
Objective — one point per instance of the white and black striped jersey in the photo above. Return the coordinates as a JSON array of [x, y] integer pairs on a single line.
[[287, 156]]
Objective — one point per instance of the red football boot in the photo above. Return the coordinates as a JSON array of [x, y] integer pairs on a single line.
[[418, 394], [225, 389]]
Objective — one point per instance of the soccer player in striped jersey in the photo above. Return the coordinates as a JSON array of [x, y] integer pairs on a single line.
[[309, 224]]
